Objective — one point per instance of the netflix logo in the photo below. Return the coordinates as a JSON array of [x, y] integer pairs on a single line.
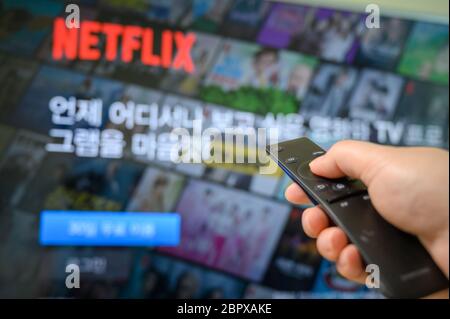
[[127, 42]]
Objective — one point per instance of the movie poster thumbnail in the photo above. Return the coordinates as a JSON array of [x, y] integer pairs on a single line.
[[329, 91], [265, 185], [203, 54], [157, 11], [18, 166], [206, 15], [166, 11], [375, 96], [157, 191], [65, 183], [296, 260], [284, 22], [254, 79], [15, 76], [244, 18], [77, 184], [330, 284], [157, 277], [424, 105], [52, 174], [111, 179], [426, 53], [223, 235], [382, 47], [25, 24], [329, 34]]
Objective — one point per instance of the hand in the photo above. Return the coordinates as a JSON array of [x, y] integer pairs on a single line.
[[409, 187]]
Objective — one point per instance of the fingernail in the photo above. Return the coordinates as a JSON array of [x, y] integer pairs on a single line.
[[314, 163], [341, 263]]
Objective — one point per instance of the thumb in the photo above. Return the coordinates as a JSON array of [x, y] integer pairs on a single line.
[[355, 159]]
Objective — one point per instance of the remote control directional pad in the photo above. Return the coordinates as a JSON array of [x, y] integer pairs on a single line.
[[305, 172], [331, 189]]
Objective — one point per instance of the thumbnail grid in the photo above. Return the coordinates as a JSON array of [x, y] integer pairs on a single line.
[[252, 57]]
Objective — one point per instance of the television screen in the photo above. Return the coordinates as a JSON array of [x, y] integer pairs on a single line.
[[88, 108]]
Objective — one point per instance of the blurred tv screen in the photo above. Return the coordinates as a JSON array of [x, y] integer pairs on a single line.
[[306, 70]]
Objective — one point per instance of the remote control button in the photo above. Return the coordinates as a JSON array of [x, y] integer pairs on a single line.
[[343, 204], [339, 186], [321, 187], [291, 160], [345, 189]]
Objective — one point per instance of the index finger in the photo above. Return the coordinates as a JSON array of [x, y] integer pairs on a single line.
[[296, 195]]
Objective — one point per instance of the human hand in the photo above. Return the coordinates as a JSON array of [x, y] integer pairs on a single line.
[[409, 187]]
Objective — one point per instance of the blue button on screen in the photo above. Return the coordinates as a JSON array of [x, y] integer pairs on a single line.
[[81, 228]]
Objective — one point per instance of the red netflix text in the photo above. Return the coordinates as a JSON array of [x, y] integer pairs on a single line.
[[83, 44]]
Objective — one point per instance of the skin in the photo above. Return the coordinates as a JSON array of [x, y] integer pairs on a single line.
[[409, 187]]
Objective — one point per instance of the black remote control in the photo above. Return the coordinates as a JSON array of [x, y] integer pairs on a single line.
[[405, 267]]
